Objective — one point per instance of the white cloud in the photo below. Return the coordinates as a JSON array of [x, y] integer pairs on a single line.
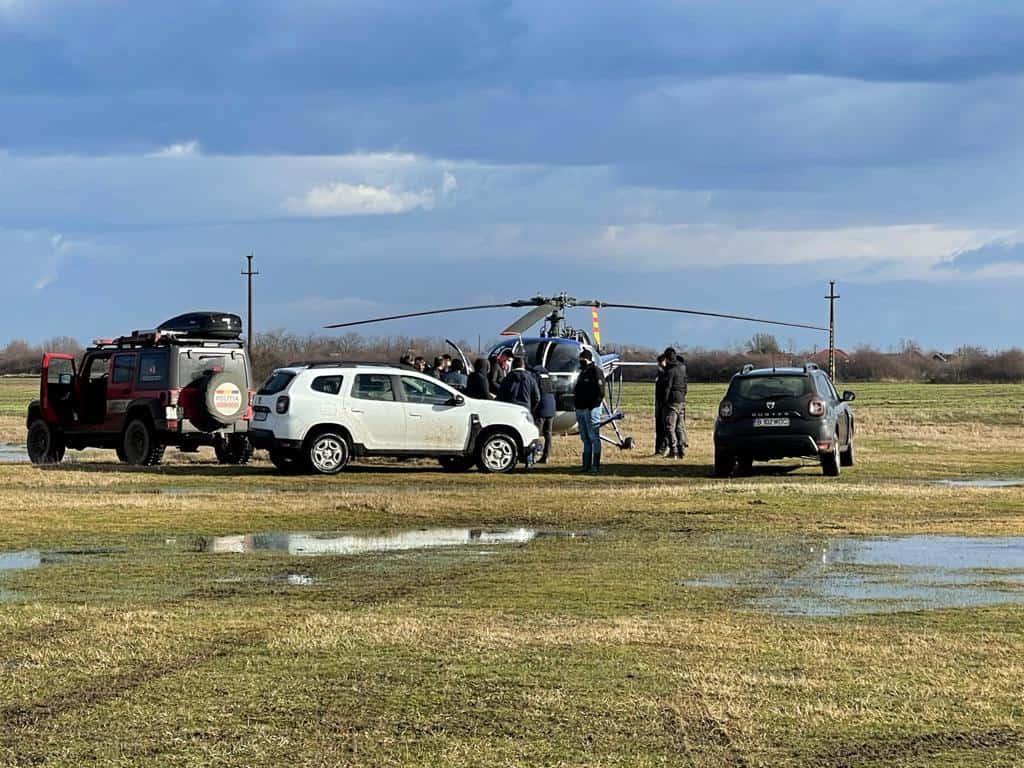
[[903, 251], [33, 259], [342, 199], [185, 149], [449, 183]]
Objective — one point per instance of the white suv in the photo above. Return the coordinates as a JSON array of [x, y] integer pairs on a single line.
[[318, 415]]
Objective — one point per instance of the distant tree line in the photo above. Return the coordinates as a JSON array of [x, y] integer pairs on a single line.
[[909, 362]]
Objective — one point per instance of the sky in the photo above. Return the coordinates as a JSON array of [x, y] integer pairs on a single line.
[[379, 158]]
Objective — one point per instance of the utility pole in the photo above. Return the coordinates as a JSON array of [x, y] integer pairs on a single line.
[[249, 274], [832, 297]]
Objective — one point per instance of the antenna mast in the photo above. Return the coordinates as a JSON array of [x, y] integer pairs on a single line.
[[249, 274], [832, 297]]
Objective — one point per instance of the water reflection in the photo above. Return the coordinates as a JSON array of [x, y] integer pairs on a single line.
[[362, 543], [872, 575]]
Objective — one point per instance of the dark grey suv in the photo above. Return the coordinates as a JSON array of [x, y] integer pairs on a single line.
[[777, 413]]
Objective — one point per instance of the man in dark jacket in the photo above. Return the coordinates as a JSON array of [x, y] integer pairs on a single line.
[[589, 396], [477, 385], [499, 369], [544, 414], [520, 387], [673, 405]]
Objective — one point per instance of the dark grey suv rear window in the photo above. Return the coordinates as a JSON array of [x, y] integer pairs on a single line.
[[762, 387], [276, 383]]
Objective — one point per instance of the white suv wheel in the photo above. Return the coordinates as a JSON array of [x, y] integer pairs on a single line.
[[328, 454], [498, 454]]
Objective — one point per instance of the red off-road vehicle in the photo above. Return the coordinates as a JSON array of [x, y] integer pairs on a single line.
[[186, 384]]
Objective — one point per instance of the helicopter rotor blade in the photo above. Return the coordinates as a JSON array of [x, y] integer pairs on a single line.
[[529, 320], [419, 314], [700, 313]]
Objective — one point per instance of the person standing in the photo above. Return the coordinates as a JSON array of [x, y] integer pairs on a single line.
[[520, 387], [588, 397], [499, 369], [477, 385], [674, 405], [659, 410], [455, 376], [544, 415]]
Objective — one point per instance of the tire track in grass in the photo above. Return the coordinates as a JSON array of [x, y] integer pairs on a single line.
[[93, 693], [926, 745]]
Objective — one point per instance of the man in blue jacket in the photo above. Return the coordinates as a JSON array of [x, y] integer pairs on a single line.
[[544, 414]]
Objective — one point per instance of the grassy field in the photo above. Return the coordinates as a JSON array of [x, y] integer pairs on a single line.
[[592, 644]]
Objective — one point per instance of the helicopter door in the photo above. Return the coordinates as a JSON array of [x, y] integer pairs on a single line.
[[435, 420]]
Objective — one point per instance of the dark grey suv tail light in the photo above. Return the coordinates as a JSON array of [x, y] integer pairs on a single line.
[[282, 404]]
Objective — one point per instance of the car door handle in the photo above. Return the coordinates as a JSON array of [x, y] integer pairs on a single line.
[[358, 410], [415, 415]]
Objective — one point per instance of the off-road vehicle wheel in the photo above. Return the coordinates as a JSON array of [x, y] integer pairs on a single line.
[[725, 463], [497, 453], [140, 445], [846, 457], [744, 465], [830, 459], [236, 449], [45, 444], [327, 453], [457, 463]]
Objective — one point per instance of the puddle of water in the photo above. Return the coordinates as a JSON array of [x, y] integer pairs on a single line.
[[20, 561], [983, 483], [884, 575], [362, 543], [13, 454]]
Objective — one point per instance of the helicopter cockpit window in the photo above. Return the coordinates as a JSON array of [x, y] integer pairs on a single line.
[[564, 358]]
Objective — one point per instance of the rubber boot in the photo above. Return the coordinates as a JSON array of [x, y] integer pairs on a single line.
[[587, 461], [595, 467]]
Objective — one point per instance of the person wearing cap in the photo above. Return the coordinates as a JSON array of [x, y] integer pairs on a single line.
[[588, 396]]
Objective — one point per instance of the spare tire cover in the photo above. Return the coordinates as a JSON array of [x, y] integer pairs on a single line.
[[226, 398]]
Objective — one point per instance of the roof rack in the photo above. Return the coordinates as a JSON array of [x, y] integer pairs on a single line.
[[152, 338], [808, 367], [344, 364], [747, 368]]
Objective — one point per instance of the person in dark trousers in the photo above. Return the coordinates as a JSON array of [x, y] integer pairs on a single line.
[[673, 405], [520, 387], [477, 385], [588, 397], [659, 411], [544, 415]]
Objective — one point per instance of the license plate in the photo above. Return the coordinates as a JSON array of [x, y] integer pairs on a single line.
[[776, 422], [260, 416]]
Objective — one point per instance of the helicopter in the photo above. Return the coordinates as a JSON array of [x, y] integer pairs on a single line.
[[557, 348]]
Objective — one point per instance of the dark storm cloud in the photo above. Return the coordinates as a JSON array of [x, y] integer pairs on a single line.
[[580, 82]]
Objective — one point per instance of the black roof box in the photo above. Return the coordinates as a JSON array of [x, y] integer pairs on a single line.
[[205, 325]]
